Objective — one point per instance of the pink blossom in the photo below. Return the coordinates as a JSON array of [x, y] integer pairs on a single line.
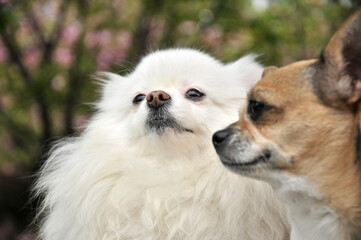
[[63, 56], [48, 9], [58, 83], [115, 51], [6, 100], [101, 38], [124, 40], [79, 121], [105, 58], [118, 3], [71, 33], [31, 57], [113, 46], [156, 29], [213, 36], [105, 38], [187, 27], [91, 39]]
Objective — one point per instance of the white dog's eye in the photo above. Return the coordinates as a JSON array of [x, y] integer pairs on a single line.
[[137, 99], [194, 94]]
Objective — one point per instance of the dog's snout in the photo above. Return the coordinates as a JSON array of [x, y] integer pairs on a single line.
[[156, 99], [220, 136]]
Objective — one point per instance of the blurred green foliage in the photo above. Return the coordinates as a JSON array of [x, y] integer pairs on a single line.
[[50, 48]]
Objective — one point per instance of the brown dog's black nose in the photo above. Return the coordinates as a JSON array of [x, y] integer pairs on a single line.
[[220, 136], [157, 99]]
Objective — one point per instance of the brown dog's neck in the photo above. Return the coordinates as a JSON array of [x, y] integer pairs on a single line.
[[358, 137], [356, 221], [350, 206], [337, 174]]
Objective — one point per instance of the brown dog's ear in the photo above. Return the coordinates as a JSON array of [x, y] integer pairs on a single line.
[[268, 70], [338, 76]]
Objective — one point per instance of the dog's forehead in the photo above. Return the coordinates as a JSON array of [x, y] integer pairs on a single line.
[[289, 81]]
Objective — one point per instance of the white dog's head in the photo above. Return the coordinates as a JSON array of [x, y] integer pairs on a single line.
[[174, 100]]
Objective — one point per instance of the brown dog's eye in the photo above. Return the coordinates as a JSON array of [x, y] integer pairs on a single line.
[[255, 109], [137, 99], [194, 94]]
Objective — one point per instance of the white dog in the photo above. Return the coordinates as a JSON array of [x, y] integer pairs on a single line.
[[145, 167]]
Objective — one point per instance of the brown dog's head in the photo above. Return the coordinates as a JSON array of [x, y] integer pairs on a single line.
[[303, 120]]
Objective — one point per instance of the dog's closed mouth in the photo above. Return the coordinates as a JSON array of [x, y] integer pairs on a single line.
[[262, 158], [188, 130], [159, 124]]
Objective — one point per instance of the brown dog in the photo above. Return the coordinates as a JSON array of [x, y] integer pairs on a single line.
[[300, 132]]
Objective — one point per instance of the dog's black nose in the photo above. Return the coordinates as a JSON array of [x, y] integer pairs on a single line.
[[156, 99], [220, 136]]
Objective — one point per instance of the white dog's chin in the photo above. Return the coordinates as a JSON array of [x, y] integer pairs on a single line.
[[145, 167]]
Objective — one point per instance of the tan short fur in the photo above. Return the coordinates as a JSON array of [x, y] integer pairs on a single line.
[[311, 127]]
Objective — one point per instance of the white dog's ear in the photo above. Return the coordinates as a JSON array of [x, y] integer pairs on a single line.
[[338, 75], [246, 70], [102, 78], [110, 86], [107, 80]]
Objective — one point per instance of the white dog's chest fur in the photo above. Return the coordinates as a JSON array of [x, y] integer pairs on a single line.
[[131, 199], [310, 218]]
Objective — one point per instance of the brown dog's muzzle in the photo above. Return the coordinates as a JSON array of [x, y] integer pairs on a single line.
[[229, 144], [237, 151]]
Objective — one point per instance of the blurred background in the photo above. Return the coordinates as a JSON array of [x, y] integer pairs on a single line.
[[49, 50]]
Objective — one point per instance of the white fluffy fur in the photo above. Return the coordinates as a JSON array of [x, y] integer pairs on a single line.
[[117, 180]]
